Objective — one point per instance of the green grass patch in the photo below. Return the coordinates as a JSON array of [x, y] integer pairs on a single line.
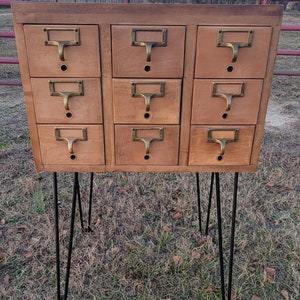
[[39, 201]]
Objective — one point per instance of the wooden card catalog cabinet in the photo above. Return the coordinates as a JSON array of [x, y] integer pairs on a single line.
[[119, 87]]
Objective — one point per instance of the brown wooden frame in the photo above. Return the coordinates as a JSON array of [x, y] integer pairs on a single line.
[[104, 15]]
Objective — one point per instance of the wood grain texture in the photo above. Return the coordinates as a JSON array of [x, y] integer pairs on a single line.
[[85, 108], [209, 109], [82, 60], [213, 61], [132, 109], [89, 151], [130, 61], [205, 153]]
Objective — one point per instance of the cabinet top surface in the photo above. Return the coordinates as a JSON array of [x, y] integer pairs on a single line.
[[146, 13]]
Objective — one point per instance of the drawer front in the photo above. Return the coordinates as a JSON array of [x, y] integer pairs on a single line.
[[148, 51], [206, 145], [71, 145], [232, 52], [146, 101], [226, 102], [66, 50], [146, 145], [61, 100]]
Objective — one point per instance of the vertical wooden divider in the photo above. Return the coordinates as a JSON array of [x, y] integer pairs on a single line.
[[106, 66], [187, 92]]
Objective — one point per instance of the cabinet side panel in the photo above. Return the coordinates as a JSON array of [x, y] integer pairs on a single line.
[[28, 97]]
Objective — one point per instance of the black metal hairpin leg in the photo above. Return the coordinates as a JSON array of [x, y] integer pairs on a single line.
[[56, 235], [233, 220], [199, 202], [77, 191], [216, 178], [220, 236], [76, 195], [209, 202], [89, 229]]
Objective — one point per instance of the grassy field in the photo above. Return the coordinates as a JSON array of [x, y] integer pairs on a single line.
[[145, 242]]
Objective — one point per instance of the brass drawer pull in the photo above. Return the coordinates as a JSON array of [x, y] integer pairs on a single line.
[[147, 140], [149, 44], [222, 136], [147, 96], [235, 45], [62, 44], [228, 96], [71, 140], [66, 95]]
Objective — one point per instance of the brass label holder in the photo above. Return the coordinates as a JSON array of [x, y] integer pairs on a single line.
[[66, 95], [147, 140], [228, 96], [62, 44], [69, 139], [222, 141], [149, 44], [147, 96], [234, 45]]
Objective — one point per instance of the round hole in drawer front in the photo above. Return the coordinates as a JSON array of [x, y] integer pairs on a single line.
[[69, 114], [146, 157], [229, 69], [73, 156], [220, 157], [64, 68], [147, 68], [224, 116], [146, 115]]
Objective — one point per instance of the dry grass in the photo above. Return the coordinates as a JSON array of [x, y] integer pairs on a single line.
[[146, 243]]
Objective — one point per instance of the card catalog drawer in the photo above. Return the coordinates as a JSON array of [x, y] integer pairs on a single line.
[[227, 102], [61, 100], [147, 145], [147, 101], [148, 51], [66, 50], [71, 145], [232, 52], [224, 146]]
